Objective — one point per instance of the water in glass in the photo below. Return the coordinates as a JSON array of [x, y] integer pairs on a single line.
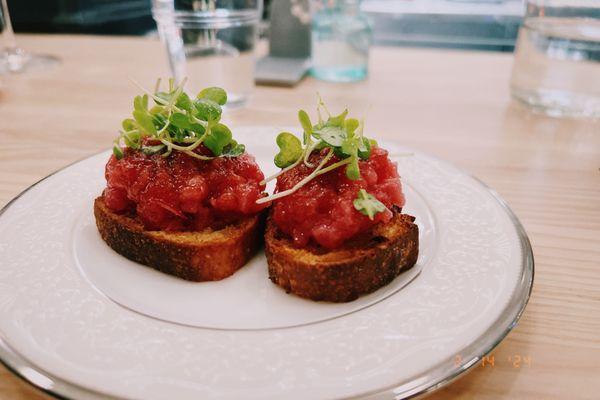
[[341, 37], [212, 44], [557, 61]]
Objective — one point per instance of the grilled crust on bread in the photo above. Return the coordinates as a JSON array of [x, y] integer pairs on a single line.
[[209, 255], [360, 266]]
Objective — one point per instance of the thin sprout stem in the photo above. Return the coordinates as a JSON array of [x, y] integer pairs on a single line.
[[198, 141], [199, 121], [299, 184], [361, 128], [321, 172], [322, 104], [182, 148], [334, 166], [319, 116], [168, 152], [307, 152], [195, 155], [157, 85], [193, 139], [167, 123], [186, 149], [286, 169]]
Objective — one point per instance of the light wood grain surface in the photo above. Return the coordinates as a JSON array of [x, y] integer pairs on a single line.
[[452, 104]]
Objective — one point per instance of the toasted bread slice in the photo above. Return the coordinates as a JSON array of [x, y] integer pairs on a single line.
[[358, 267], [209, 255]]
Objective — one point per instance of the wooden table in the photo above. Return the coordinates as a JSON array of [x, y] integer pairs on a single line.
[[452, 104]]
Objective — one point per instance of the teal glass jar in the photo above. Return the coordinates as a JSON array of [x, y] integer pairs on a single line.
[[340, 39]]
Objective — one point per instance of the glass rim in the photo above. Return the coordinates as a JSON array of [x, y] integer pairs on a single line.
[[219, 18]]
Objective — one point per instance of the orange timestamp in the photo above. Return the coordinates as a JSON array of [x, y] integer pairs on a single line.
[[515, 360]]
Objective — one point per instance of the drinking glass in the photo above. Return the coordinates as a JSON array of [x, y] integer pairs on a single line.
[[13, 58], [211, 42], [341, 36], [557, 58]]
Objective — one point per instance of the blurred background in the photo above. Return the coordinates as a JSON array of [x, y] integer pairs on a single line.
[[490, 25]]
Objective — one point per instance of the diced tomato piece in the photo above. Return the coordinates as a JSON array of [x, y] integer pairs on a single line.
[[180, 192], [323, 210], [116, 198]]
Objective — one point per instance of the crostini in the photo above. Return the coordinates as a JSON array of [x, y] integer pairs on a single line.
[[335, 230], [181, 193]]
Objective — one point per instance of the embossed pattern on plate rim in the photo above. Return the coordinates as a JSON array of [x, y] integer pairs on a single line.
[[430, 380]]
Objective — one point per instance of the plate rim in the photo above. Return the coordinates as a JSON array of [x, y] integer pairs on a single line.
[[431, 379]]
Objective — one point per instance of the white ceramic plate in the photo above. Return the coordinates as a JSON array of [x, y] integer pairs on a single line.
[[78, 320]]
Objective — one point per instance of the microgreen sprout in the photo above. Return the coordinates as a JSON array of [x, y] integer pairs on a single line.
[[178, 122], [338, 135], [367, 204]]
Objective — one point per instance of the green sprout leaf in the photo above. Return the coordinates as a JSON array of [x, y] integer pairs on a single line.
[[132, 139], [163, 95], [207, 110], [290, 149], [332, 135], [340, 143], [197, 130], [350, 125], [140, 103], [215, 94], [350, 147], [218, 137], [233, 149], [367, 204], [184, 102], [353, 170], [180, 121], [144, 120], [128, 124], [306, 125], [157, 110], [364, 148], [159, 119], [338, 120], [117, 151]]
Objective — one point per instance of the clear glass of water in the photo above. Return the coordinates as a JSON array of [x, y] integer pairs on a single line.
[[211, 42], [14, 59], [341, 36], [557, 58]]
